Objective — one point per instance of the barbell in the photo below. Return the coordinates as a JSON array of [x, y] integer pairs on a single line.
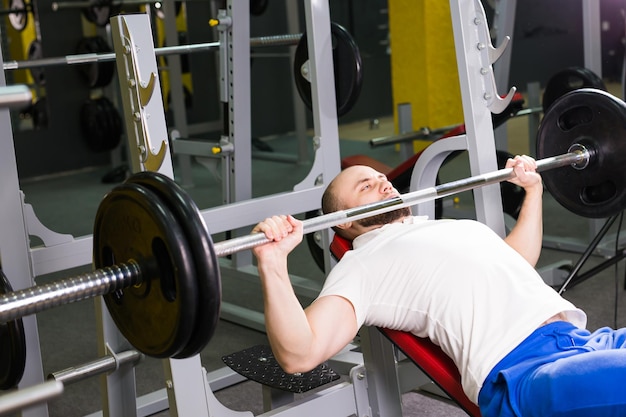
[[347, 63], [94, 58], [157, 266]]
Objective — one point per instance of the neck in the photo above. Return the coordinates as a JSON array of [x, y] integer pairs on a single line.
[[359, 228]]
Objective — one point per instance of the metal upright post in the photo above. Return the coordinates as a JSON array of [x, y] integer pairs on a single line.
[[475, 57], [379, 356], [405, 125], [592, 43], [141, 94], [592, 36], [299, 109], [14, 250], [119, 392], [239, 107], [503, 24], [177, 105]]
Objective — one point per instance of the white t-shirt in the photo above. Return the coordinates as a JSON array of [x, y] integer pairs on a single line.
[[455, 282]]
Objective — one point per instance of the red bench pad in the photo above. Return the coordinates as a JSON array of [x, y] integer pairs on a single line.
[[435, 363]]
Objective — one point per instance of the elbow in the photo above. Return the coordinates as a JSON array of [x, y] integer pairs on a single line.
[[294, 369], [293, 365]]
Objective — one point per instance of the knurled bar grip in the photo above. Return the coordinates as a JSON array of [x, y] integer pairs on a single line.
[[42, 297], [107, 280]]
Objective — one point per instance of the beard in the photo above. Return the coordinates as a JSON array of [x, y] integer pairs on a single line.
[[385, 218]]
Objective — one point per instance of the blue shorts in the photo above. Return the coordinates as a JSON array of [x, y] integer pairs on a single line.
[[560, 370]]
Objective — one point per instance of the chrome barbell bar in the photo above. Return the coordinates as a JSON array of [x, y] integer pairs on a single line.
[[578, 157], [77, 59], [29, 396], [107, 280], [65, 5]]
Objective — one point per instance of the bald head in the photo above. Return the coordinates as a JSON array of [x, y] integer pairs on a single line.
[[356, 186]]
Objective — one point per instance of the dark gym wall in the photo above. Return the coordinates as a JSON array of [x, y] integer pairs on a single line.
[[613, 37], [271, 75], [548, 37], [367, 21], [59, 147], [206, 104]]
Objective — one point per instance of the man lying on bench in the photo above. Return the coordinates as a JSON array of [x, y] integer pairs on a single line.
[[521, 349]]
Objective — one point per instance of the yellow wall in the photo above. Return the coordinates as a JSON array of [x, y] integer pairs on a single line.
[[423, 62], [18, 44]]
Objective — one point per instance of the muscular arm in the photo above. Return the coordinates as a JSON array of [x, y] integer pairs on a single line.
[[300, 339], [527, 234]]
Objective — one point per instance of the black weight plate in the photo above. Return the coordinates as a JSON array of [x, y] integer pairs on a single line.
[[347, 67], [95, 74], [567, 80], [157, 316], [597, 120], [19, 18], [39, 113], [114, 120], [92, 125], [35, 52], [205, 261], [12, 346], [258, 7], [101, 124], [99, 13]]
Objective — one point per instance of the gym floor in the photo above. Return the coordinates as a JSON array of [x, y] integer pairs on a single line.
[[67, 204]]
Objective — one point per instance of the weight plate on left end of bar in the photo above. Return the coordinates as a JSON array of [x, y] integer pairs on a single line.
[[205, 260], [12, 346], [159, 315]]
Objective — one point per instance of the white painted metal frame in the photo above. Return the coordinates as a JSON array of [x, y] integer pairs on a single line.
[[475, 58], [14, 250]]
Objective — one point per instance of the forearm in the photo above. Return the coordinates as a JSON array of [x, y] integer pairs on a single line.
[[526, 237], [287, 327], [300, 340]]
